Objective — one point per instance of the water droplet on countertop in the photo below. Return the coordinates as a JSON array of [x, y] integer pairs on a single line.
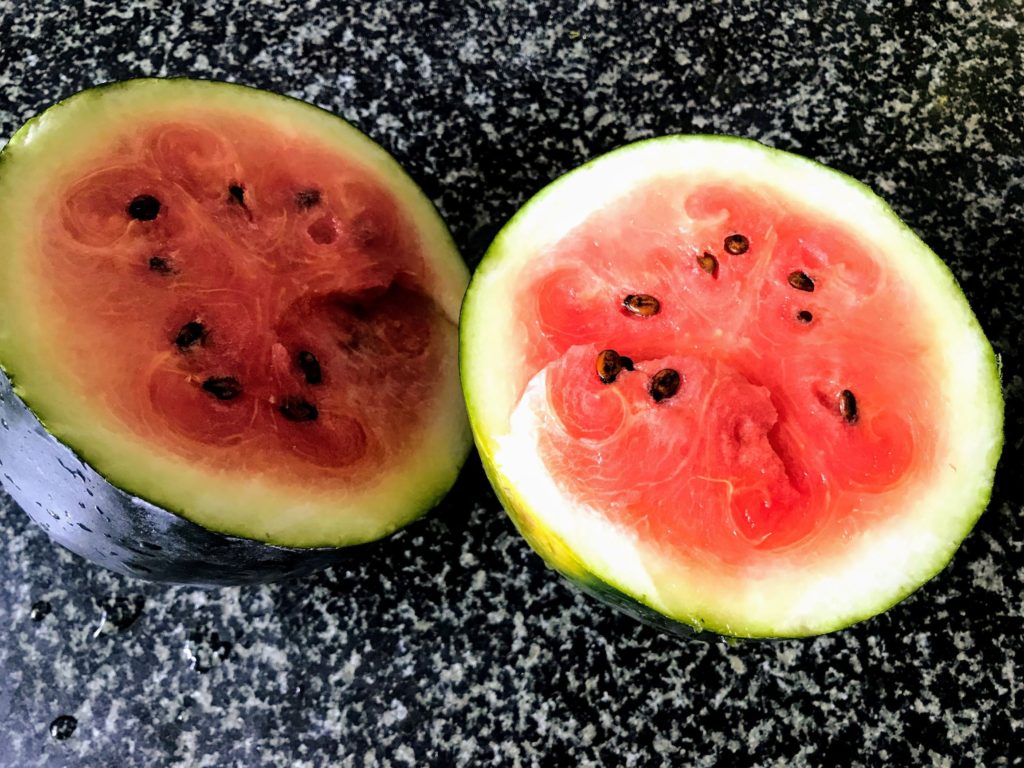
[[40, 610], [62, 727]]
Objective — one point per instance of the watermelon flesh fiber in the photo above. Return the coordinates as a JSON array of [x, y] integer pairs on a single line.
[[757, 457], [292, 275]]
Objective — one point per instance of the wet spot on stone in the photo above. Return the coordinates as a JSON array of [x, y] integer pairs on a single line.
[[63, 727], [40, 610]]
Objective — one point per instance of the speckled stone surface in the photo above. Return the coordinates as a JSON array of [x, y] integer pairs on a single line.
[[451, 644]]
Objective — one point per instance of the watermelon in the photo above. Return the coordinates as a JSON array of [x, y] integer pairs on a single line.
[[228, 333], [725, 388]]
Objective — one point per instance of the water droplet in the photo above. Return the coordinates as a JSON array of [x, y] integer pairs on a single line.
[[63, 727]]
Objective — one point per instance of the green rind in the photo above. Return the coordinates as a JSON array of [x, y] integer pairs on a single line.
[[560, 556], [429, 497]]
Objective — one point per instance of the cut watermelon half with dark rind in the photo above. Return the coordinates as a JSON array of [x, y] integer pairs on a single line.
[[342, 254], [925, 506]]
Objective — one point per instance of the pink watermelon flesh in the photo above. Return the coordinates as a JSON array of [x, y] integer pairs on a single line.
[[784, 423], [228, 287]]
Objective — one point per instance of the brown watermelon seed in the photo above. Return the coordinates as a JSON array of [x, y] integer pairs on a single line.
[[160, 265], [641, 304], [295, 408], [307, 198], [237, 193], [804, 316], [664, 384], [144, 207], [223, 387], [708, 263], [848, 406], [190, 333], [801, 281], [626, 363], [309, 366], [609, 365], [737, 244]]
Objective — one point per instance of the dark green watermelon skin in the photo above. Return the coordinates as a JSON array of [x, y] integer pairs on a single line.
[[83, 512]]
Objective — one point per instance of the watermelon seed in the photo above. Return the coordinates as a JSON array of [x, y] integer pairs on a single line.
[[237, 194], [801, 281], [609, 365], [708, 263], [190, 333], [737, 245], [848, 406], [223, 387], [307, 198], [309, 366], [297, 409], [144, 207], [664, 384], [160, 265], [804, 316], [626, 363], [642, 304]]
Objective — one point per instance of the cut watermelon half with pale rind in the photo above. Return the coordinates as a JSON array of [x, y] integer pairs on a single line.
[[928, 496], [345, 495]]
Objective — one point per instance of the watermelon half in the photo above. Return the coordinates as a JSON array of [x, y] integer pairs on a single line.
[[726, 388], [228, 324]]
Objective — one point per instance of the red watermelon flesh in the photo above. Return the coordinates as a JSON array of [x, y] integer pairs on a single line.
[[804, 374], [271, 315]]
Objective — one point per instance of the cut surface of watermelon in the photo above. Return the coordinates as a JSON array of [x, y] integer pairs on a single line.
[[735, 388], [233, 305]]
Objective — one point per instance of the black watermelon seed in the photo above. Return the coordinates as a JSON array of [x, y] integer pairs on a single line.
[[609, 364], [626, 363], [848, 406], [296, 408], [737, 244], [801, 281], [223, 387], [664, 384], [237, 194], [190, 333], [144, 208], [62, 727], [40, 610], [307, 198], [642, 304], [309, 366], [708, 263], [160, 265], [804, 316]]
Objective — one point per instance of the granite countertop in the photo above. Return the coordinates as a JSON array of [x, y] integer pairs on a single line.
[[450, 644]]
